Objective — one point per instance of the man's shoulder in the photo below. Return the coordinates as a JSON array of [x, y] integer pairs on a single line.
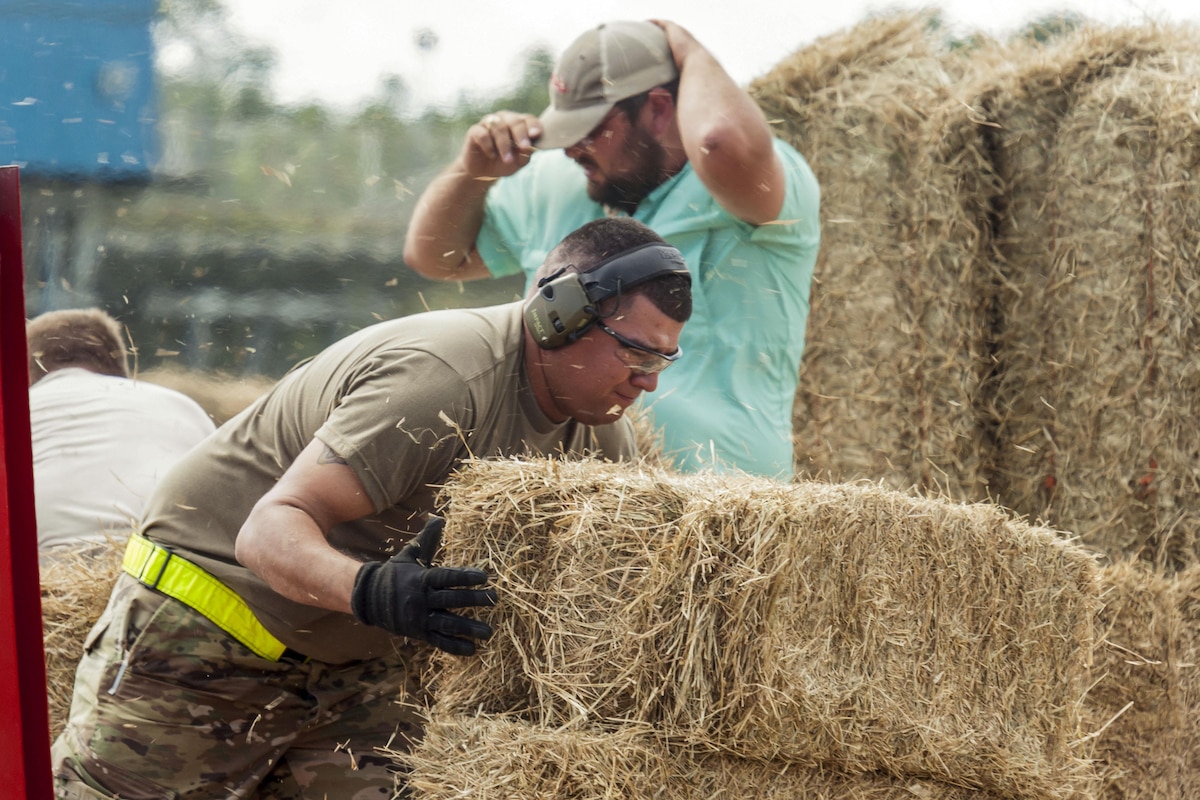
[[462, 340], [70, 376], [164, 404]]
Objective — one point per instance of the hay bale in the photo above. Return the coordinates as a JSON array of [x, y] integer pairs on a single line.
[[829, 626], [895, 329], [76, 583], [220, 394], [501, 758], [1145, 706], [1094, 141]]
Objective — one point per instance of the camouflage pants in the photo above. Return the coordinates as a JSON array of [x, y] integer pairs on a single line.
[[166, 705]]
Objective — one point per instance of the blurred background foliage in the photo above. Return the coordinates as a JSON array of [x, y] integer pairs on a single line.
[[265, 231]]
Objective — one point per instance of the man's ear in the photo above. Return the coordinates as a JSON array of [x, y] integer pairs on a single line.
[[659, 111]]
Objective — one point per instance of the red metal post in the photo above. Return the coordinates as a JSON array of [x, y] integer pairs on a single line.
[[24, 715]]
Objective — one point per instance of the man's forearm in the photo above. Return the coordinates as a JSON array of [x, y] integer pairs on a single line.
[[440, 243], [289, 552]]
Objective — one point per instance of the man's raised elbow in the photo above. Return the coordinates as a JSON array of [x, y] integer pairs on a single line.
[[422, 264]]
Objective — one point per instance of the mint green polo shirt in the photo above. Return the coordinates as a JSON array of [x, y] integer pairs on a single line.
[[727, 403]]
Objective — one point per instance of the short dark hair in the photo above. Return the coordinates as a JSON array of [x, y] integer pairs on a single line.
[[82, 337], [593, 242]]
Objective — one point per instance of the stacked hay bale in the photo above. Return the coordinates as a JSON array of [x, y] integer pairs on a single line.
[[76, 583], [221, 395], [506, 757], [1145, 706], [842, 635], [1141, 718], [893, 358], [1094, 139], [1004, 303]]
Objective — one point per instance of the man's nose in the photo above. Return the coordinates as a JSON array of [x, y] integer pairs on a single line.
[[645, 382]]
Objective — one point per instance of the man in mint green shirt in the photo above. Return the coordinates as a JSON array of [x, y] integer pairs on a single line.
[[645, 122]]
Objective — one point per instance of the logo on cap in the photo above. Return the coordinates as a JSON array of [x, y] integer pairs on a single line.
[[559, 85]]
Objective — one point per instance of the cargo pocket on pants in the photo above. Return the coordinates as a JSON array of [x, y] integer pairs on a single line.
[[75, 781]]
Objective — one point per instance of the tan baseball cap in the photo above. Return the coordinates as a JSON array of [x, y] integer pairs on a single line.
[[607, 64]]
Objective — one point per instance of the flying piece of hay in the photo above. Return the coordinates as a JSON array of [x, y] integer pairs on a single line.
[[840, 626], [509, 759]]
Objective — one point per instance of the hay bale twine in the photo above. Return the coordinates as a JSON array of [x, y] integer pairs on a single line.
[[847, 627]]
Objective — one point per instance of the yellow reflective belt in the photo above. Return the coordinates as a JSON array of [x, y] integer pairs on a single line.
[[163, 571]]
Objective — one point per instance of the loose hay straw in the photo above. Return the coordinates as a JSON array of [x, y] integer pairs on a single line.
[[76, 583], [1146, 701], [896, 326], [501, 758], [840, 626]]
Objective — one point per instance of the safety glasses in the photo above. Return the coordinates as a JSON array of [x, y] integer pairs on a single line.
[[638, 357]]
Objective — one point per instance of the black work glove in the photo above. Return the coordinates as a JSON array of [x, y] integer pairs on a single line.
[[405, 596]]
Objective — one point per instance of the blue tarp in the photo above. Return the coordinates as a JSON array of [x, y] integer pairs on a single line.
[[77, 88]]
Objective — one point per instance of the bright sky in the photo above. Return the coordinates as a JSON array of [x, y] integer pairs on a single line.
[[337, 52]]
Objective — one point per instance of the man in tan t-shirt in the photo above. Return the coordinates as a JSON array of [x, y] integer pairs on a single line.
[[263, 639]]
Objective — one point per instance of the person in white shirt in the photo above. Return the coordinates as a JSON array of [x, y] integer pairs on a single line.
[[101, 440]]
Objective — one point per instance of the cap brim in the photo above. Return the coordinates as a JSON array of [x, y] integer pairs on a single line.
[[565, 128]]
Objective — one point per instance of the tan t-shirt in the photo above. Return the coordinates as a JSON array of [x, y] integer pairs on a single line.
[[403, 402]]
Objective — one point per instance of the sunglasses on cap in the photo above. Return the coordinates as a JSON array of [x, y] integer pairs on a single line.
[[638, 357]]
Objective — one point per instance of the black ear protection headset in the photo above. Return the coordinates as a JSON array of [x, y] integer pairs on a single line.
[[566, 303]]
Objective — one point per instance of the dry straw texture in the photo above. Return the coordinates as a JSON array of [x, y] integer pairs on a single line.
[[1097, 273], [1143, 712], [894, 335], [76, 583], [1146, 702], [1004, 303], [496, 758], [841, 626]]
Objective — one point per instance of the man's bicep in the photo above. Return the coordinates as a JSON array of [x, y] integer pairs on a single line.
[[321, 483], [753, 190]]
